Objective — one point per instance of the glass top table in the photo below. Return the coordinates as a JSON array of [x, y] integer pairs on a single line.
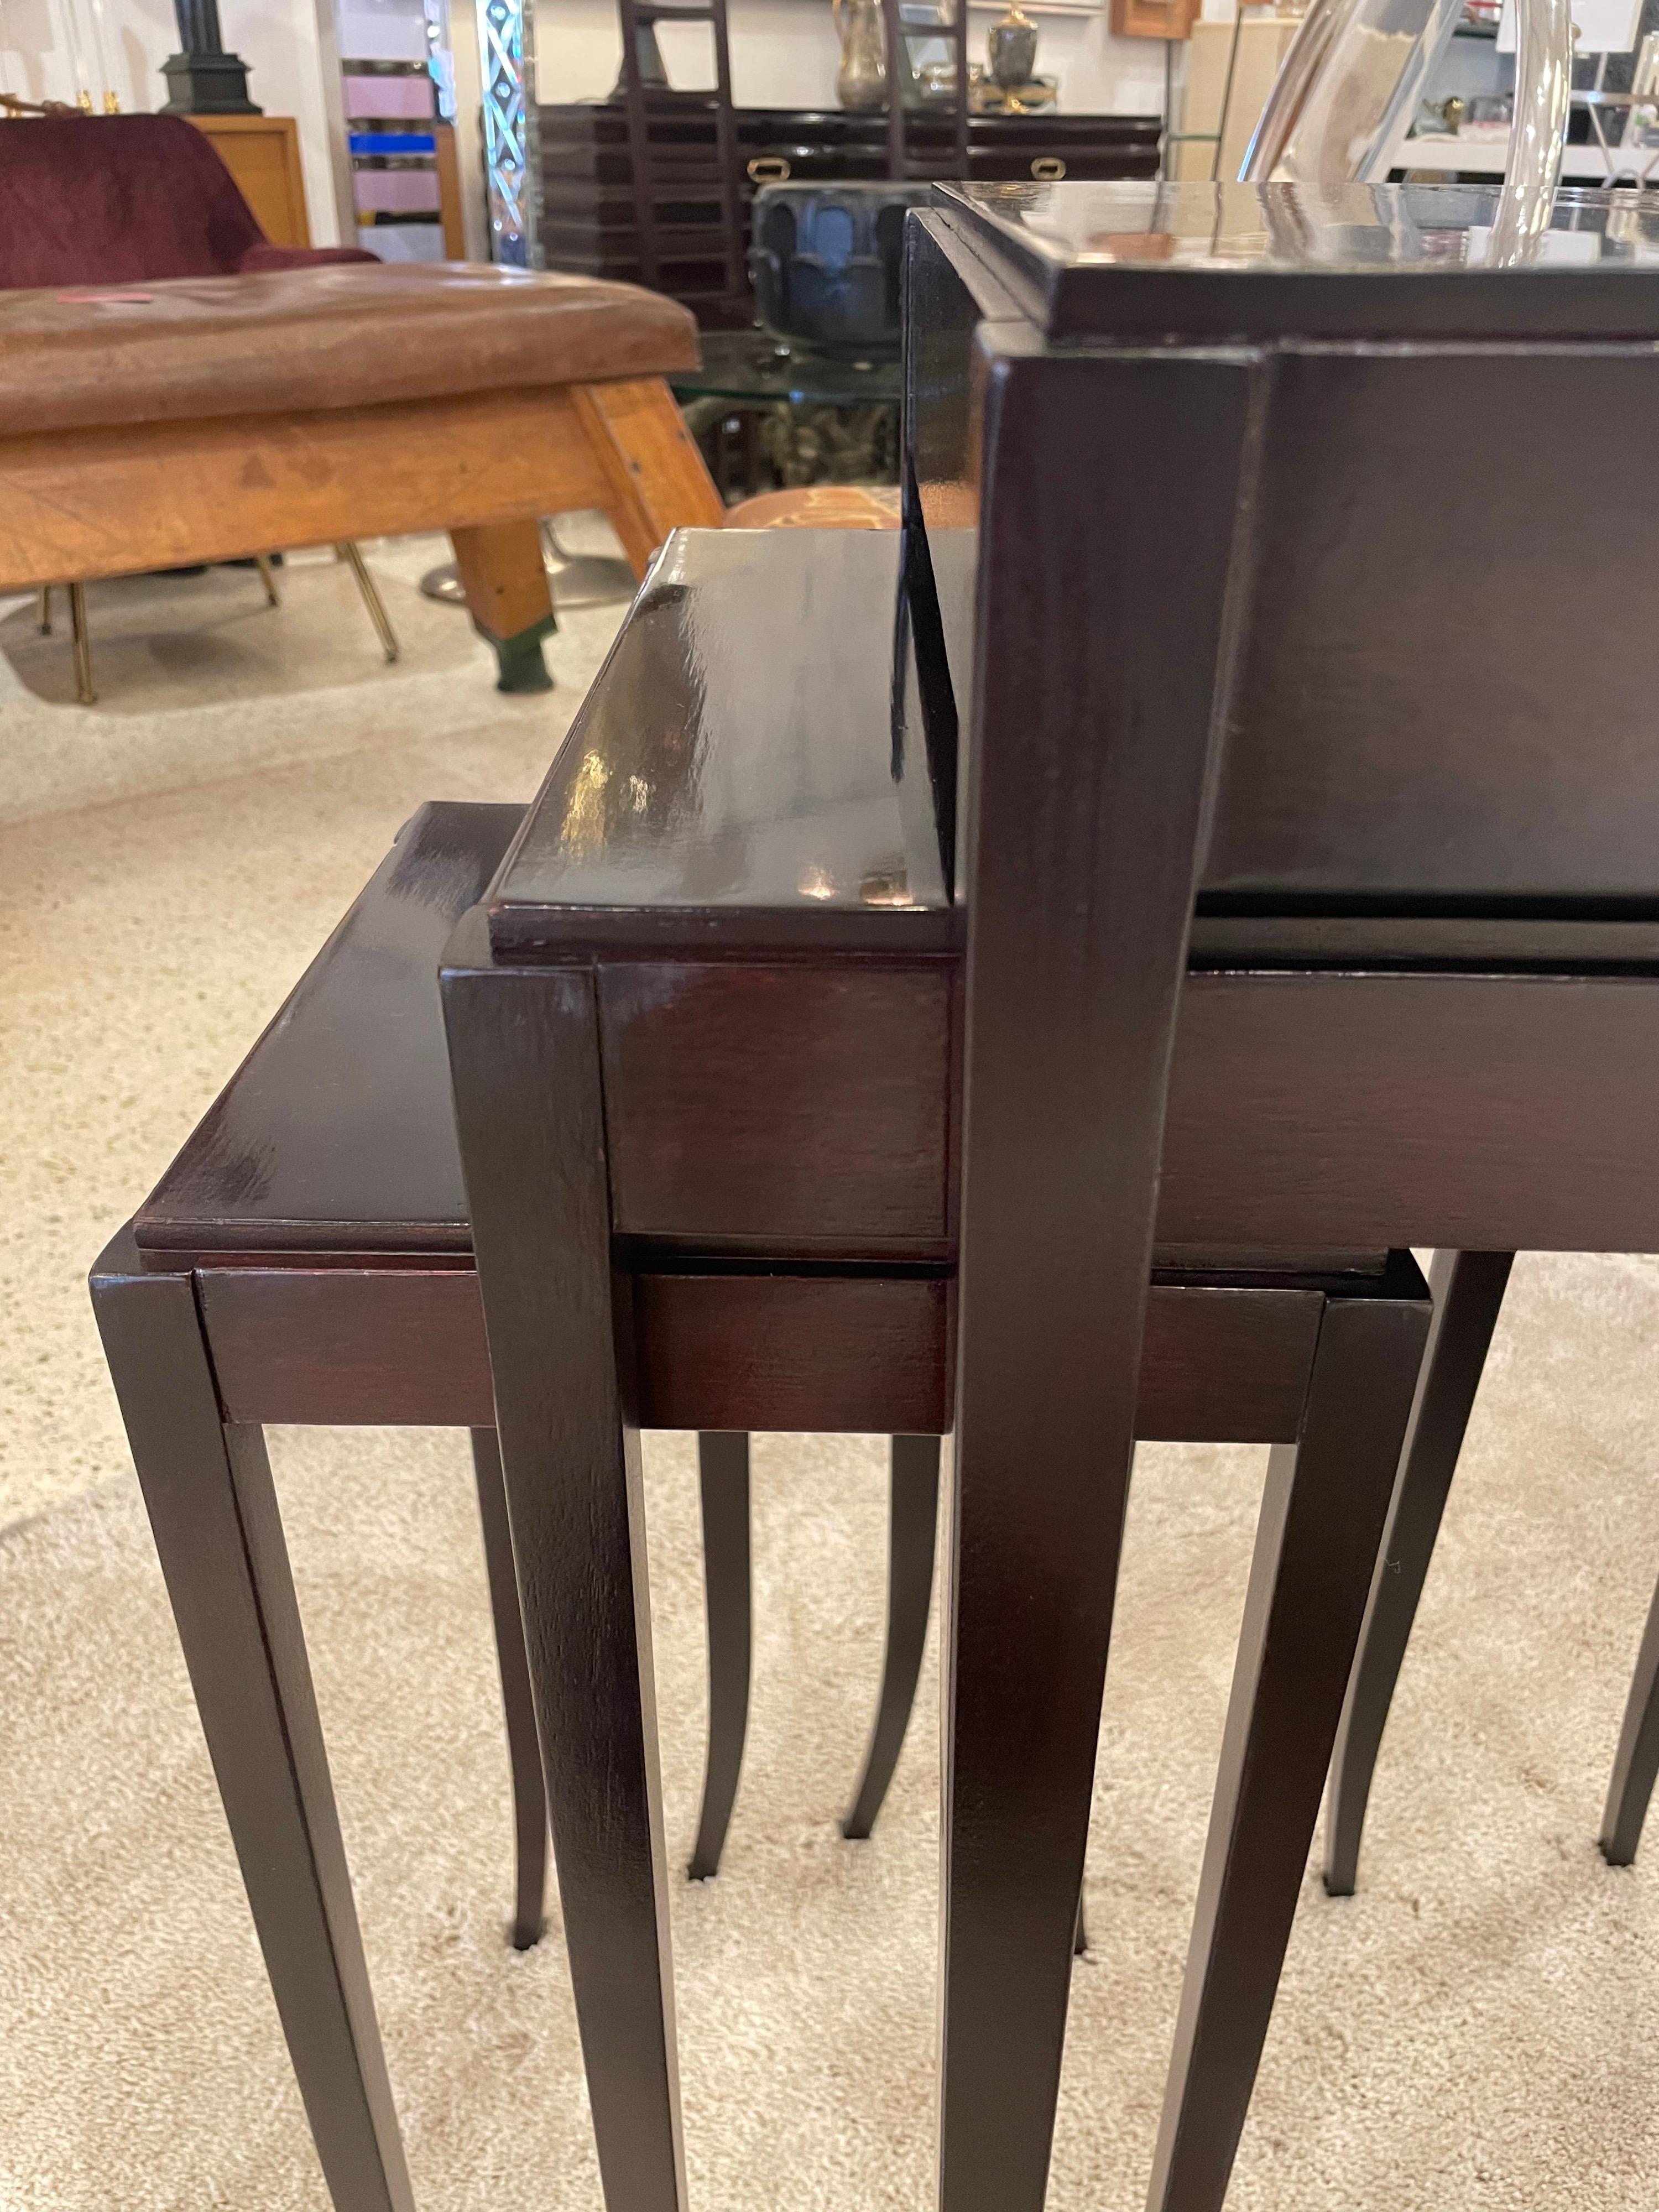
[[752, 366]]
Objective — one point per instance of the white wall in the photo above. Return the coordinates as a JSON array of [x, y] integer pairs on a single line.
[[784, 53], [278, 38]]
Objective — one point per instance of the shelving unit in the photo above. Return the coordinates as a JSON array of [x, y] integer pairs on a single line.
[[589, 210], [403, 179], [1603, 101], [906, 161], [1486, 157]]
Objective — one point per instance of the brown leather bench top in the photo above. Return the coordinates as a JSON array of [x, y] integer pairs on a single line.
[[297, 340]]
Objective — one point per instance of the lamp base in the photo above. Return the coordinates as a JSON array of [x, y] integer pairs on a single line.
[[207, 84], [575, 579]]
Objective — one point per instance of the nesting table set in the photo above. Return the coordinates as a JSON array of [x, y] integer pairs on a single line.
[[1033, 975]]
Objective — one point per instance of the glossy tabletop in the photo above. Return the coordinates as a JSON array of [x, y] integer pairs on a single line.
[[745, 778], [1145, 260], [750, 767], [338, 1131]]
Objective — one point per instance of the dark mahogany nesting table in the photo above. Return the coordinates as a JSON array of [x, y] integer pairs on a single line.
[[1221, 836], [1036, 977]]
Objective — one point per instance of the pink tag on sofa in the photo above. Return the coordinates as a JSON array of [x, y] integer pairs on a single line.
[[101, 299]]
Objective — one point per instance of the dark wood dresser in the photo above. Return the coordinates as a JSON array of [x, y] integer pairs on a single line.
[[588, 207]]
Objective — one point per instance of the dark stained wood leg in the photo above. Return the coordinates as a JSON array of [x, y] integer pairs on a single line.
[[913, 1522], [524, 1056], [1083, 806], [208, 1493], [1080, 1934], [1468, 1290], [1033, 1575], [1322, 1516], [524, 1752], [723, 1478], [1637, 1762]]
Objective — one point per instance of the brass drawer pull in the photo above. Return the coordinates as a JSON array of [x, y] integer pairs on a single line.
[[768, 169], [1048, 168]]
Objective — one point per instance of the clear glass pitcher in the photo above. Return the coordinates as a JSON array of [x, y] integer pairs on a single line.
[[1356, 68]]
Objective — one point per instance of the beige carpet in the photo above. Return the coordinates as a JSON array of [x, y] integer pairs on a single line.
[[198, 678], [144, 944], [1479, 2028]]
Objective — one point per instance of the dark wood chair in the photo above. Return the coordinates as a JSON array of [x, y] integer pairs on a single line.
[[1257, 953], [306, 1258]]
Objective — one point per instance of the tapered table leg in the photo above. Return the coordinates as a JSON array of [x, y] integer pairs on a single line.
[[1322, 1516], [212, 1507], [1468, 1290], [1033, 1575], [524, 1056], [913, 1520], [1636, 1762], [723, 1480], [1088, 779], [518, 1703]]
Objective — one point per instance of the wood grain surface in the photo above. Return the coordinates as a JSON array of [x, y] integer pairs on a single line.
[[822, 1353], [796, 1106], [650, 459], [110, 502]]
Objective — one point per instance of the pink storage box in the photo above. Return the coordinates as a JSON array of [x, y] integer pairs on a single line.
[[370, 99], [396, 191]]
